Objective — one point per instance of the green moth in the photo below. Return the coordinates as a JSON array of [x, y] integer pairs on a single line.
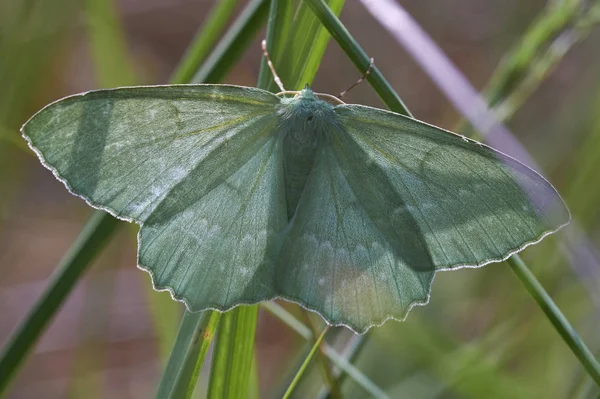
[[243, 195]]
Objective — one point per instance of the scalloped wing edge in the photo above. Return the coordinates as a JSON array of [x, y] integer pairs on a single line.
[[343, 323], [355, 329]]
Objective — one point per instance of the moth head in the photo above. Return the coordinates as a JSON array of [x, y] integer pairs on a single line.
[[307, 93]]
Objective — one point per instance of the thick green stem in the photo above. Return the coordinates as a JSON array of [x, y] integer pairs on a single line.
[[358, 56], [228, 354], [558, 320], [233, 353], [193, 339], [233, 43], [207, 36]]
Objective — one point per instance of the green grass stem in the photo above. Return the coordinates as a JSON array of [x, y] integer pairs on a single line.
[[558, 320], [208, 34], [235, 343], [234, 42], [333, 385], [305, 364], [358, 56], [233, 353], [342, 362], [193, 339]]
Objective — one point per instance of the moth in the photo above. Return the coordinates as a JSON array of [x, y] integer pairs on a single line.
[[243, 195]]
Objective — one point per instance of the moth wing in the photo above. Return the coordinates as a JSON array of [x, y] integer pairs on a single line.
[[473, 204], [392, 200], [197, 166]]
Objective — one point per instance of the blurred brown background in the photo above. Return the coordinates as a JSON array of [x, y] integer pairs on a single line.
[[105, 341]]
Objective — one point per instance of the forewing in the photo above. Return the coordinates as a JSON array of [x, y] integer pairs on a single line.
[[198, 166], [472, 205], [123, 150]]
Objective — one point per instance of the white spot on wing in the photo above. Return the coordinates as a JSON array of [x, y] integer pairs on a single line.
[[426, 206], [178, 173]]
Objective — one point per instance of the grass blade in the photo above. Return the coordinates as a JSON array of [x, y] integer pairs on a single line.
[[233, 43], [278, 26], [558, 320], [193, 339], [297, 58], [304, 365], [338, 360], [232, 361], [112, 65], [253, 385], [306, 43], [232, 357], [333, 385], [357, 55], [556, 17], [76, 261], [349, 355], [208, 34]]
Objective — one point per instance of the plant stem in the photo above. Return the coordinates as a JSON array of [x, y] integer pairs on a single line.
[[333, 385], [90, 241], [338, 360], [207, 36], [558, 320], [358, 56], [233, 43], [554, 19], [305, 364], [559, 27], [193, 339], [233, 353], [350, 352], [230, 360], [278, 27]]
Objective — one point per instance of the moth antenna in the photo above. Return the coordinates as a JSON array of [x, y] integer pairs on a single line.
[[271, 67], [359, 81], [330, 97]]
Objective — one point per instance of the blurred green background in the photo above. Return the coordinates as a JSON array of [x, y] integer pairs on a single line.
[[481, 336]]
